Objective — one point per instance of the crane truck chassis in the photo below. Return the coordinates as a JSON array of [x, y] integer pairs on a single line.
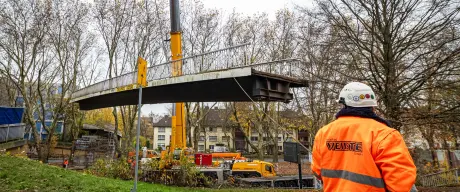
[[243, 174]]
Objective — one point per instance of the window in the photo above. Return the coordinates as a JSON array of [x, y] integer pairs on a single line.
[[254, 138], [200, 147], [225, 138], [202, 138], [280, 148], [212, 138], [268, 168], [58, 127], [279, 139], [161, 130], [161, 137], [162, 145], [211, 129], [211, 147]]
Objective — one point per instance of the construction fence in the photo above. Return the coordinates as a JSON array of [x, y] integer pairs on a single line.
[[445, 159], [437, 167], [9, 132]]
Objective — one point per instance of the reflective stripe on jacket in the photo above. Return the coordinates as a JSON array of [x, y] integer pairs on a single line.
[[361, 154]]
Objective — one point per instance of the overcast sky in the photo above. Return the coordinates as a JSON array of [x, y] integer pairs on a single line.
[[246, 7]]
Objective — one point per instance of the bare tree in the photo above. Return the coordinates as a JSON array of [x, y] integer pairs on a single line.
[[200, 28], [239, 116], [112, 21], [321, 52], [23, 30], [387, 45], [43, 50]]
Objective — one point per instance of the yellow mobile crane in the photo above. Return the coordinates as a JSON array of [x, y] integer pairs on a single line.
[[177, 143], [178, 116], [177, 148]]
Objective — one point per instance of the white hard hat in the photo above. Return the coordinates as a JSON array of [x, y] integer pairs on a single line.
[[357, 94]]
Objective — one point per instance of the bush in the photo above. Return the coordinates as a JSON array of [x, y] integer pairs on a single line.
[[191, 176], [118, 169], [186, 175]]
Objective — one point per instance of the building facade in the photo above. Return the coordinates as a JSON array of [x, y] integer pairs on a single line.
[[161, 133], [213, 136], [48, 120], [217, 131]]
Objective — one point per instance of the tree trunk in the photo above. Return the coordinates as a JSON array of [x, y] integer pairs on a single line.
[[197, 129], [246, 138], [196, 138], [233, 138], [275, 147], [188, 126], [44, 152], [115, 132], [260, 143], [205, 140]]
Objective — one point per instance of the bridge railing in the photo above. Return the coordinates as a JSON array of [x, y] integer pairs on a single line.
[[211, 61], [222, 59], [283, 67]]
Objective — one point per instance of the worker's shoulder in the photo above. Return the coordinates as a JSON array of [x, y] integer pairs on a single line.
[[366, 123]]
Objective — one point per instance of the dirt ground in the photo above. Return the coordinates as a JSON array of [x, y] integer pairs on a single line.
[[287, 168]]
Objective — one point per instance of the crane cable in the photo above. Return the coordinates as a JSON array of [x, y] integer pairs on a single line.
[[276, 123]]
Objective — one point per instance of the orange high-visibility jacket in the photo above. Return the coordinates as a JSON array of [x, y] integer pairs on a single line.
[[361, 154]]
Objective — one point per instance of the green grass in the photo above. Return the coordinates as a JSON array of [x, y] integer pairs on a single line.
[[21, 174]]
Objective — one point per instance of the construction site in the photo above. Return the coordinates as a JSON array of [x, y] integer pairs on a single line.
[[269, 81], [337, 95]]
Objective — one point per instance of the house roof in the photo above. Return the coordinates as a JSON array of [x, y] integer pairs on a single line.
[[163, 122], [215, 117], [106, 128]]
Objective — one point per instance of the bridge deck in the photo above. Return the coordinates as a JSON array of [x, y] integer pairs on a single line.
[[213, 86], [205, 78]]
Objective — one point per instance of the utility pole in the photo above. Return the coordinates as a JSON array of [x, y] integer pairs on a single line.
[[141, 82], [299, 162]]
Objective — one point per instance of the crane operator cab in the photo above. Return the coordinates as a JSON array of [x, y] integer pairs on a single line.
[[186, 152], [177, 153]]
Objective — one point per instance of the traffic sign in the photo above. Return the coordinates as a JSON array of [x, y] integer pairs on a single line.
[[141, 72]]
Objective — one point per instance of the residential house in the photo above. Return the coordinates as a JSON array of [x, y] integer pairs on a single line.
[[162, 133], [267, 144], [217, 131]]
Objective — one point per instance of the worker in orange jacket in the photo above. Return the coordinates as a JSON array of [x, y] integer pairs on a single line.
[[359, 151]]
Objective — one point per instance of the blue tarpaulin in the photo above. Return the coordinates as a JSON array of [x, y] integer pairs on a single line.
[[10, 115]]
